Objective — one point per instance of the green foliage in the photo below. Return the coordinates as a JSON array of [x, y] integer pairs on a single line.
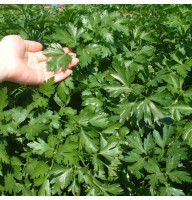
[[58, 58], [121, 123]]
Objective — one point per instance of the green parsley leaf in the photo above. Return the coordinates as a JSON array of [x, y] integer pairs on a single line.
[[58, 58]]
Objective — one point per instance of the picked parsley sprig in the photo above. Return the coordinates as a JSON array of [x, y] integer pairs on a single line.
[[58, 58]]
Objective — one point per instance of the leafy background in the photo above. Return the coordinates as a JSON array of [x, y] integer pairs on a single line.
[[121, 123]]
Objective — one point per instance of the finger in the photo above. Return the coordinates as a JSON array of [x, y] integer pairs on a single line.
[[40, 56], [60, 70], [73, 55], [61, 76], [48, 73], [73, 62], [66, 49], [33, 46]]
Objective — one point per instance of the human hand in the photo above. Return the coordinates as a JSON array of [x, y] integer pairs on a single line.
[[22, 61]]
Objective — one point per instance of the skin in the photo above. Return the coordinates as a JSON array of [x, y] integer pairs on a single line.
[[22, 61]]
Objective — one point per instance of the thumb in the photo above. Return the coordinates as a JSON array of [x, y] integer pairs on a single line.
[[33, 46], [62, 75]]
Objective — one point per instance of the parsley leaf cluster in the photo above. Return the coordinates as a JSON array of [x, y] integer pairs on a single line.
[[121, 123]]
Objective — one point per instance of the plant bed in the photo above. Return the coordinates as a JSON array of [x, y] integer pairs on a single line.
[[121, 123]]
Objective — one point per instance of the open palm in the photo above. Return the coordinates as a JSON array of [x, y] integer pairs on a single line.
[[25, 62]]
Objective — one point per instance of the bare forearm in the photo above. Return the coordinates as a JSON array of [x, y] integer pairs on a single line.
[[3, 66]]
